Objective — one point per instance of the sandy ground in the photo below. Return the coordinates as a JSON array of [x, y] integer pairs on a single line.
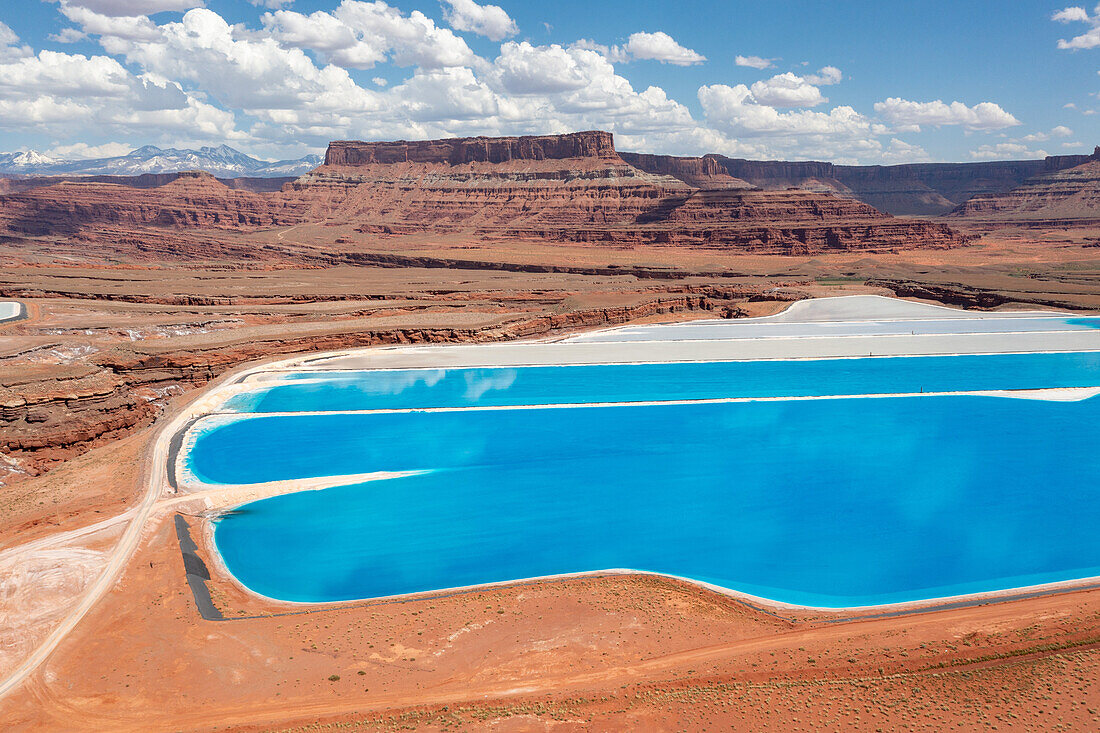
[[603, 653]]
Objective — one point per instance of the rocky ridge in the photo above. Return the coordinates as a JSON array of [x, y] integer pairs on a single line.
[[562, 188], [1070, 196], [914, 189], [576, 188]]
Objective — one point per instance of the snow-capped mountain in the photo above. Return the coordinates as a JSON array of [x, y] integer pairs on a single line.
[[222, 161], [22, 162]]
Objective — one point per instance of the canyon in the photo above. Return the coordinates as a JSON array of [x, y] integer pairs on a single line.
[[142, 291]]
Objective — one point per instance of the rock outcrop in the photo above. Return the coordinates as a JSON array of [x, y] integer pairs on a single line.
[[575, 188], [456, 151], [188, 200], [12, 184], [1067, 196], [704, 172], [916, 189], [568, 188]]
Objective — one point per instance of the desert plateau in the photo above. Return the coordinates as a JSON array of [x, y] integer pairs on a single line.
[[492, 390]]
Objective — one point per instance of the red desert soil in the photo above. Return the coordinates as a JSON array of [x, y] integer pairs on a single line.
[[140, 295]]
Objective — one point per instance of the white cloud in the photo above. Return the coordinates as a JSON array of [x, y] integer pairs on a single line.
[[1006, 151], [1071, 15], [907, 115], [9, 45], [116, 8], [825, 76], [1074, 144], [527, 69], [660, 46], [361, 34], [445, 95], [1076, 14], [786, 90], [735, 110], [60, 91], [900, 151], [68, 35], [1061, 131], [754, 62], [253, 74], [8, 37], [284, 78], [486, 20], [127, 27], [84, 151]]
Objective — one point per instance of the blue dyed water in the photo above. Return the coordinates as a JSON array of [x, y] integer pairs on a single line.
[[838, 502], [394, 389]]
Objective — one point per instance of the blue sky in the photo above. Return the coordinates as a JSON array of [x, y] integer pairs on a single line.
[[857, 81]]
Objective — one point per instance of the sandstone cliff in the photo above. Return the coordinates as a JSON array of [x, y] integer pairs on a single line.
[[916, 189], [704, 172], [1068, 196], [456, 151], [570, 188], [190, 199], [576, 188]]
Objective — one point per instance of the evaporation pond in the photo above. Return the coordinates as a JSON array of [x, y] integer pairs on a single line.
[[825, 502]]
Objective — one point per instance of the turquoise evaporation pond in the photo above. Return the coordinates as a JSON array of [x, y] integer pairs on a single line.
[[833, 502], [417, 388]]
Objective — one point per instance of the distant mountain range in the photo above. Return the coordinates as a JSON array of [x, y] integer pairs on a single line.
[[222, 161]]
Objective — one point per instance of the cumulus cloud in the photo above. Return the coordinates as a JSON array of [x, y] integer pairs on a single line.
[[754, 62], [284, 79], [786, 90], [900, 151], [1076, 14], [527, 69], [68, 35], [116, 8], [907, 115], [56, 90], [490, 21], [1006, 151], [1071, 15], [825, 76], [657, 46], [9, 44], [737, 111], [1061, 131], [256, 75], [361, 34], [660, 46], [84, 151], [126, 27], [841, 134]]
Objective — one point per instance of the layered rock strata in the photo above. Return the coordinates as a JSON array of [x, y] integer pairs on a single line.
[[567, 188], [914, 189], [577, 189], [189, 200], [1068, 196]]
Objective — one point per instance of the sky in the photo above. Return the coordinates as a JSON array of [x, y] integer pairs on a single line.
[[859, 81]]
